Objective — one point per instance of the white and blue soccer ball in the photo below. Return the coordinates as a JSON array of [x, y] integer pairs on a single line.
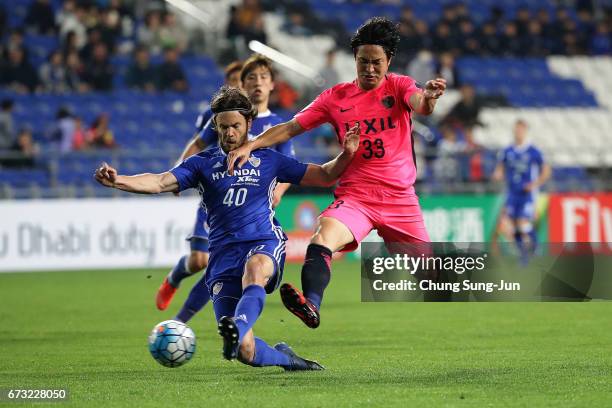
[[172, 343]]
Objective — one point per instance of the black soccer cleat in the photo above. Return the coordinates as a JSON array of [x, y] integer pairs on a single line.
[[229, 332], [297, 363], [297, 304]]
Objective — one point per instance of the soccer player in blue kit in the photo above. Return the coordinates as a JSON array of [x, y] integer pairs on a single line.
[[257, 78], [524, 170], [197, 259], [247, 244]]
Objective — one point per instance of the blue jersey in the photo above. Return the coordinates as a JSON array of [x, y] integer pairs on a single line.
[[239, 207], [522, 165], [263, 122], [203, 119]]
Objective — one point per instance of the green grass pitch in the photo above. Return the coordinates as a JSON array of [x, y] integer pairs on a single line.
[[87, 331]]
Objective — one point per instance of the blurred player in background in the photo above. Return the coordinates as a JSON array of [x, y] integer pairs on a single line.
[[257, 78], [376, 191], [247, 244], [524, 169], [197, 260]]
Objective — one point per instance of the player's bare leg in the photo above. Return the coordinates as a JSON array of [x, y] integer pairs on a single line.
[[330, 236], [187, 266]]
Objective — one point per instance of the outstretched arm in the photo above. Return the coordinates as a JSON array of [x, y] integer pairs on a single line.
[[424, 102], [327, 174], [146, 183], [275, 135]]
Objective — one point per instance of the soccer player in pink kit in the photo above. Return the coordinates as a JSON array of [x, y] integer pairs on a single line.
[[376, 191]]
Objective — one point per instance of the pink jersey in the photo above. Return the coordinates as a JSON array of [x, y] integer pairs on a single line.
[[385, 159]]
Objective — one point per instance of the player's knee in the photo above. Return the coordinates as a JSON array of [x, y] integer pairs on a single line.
[[331, 234], [524, 227], [257, 271], [198, 261]]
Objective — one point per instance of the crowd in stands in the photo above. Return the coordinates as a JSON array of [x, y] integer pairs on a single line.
[[89, 36]]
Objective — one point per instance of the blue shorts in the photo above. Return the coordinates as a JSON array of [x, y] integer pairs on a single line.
[[520, 206], [226, 267], [198, 239]]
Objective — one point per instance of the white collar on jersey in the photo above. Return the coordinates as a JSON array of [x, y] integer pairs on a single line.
[[264, 114], [521, 148]]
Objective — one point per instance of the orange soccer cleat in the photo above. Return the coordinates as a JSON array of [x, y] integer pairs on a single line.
[[165, 293]]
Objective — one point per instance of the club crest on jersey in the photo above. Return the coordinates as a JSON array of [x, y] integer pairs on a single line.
[[388, 101], [255, 161]]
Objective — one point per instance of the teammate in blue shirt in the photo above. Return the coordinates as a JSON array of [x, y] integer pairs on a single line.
[[247, 244], [523, 168]]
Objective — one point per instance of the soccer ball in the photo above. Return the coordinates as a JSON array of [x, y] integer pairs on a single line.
[[172, 343]]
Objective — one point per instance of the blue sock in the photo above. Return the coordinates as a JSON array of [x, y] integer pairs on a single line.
[[533, 235], [179, 272], [249, 308], [197, 299], [268, 356]]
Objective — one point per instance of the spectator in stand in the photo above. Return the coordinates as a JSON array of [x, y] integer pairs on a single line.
[[490, 42], [410, 43], [18, 74], [7, 131], [41, 17], [110, 28], [69, 44], [149, 35], [15, 41], [284, 95], [94, 37], [74, 73], [62, 133], [601, 43], [53, 74], [72, 19], [422, 68], [450, 19], [467, 38], [447, 165], [510, 42], [446, 68], [523, 17], [98, 73], [443, 40], [422, 30], [329, 73], [295, 25], [24, 150], [99, 134], [141, 74], [171, 76], [172, 35], [534, 42], [465, 113]]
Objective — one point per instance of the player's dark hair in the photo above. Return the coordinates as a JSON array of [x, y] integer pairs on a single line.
[[232, 67], [256, 61], [232, 99], [521, 122], [377, 31]]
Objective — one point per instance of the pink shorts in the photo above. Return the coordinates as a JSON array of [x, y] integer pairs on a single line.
[[395, 220]]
